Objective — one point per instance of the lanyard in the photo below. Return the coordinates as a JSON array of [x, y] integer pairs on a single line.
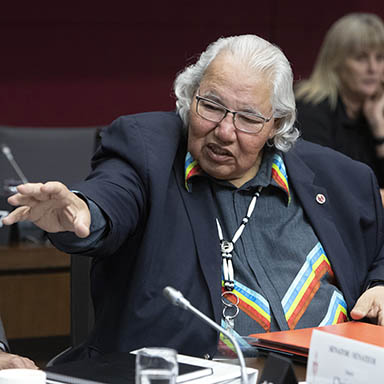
[[226, 256]]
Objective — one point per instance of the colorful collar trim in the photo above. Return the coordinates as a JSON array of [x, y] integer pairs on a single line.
[[279, 173], [191, 168]]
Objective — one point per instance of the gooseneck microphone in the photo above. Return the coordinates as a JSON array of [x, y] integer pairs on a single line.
[[177, 298], [8, 154]]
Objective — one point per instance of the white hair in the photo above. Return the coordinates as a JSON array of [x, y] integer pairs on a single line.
[[260, 55]]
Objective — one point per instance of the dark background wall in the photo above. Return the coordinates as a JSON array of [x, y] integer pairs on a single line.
[[86, 62]]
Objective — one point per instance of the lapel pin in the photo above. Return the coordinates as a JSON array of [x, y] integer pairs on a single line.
[[320, 198]]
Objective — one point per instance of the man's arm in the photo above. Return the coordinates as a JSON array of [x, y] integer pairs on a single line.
[[68, 242]]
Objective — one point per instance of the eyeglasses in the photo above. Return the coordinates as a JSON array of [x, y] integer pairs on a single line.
[[243, 121]]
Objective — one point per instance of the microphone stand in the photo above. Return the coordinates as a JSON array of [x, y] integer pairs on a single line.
[[177, 298], [14, 235], [8, 154]]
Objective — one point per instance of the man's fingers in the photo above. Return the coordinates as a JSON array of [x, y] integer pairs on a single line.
[[29, 363], [18, 362], [19, 199], [39, 191], [19, 214], [8, 360], [362, 307], [29, 188], [382, 195], [370, 304], [82, 220], [82, 230], [357, 314], [55, 190], [380, 318], [28, 194]]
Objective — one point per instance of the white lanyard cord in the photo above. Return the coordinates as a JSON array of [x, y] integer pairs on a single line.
[[228, 272], [227, 246]]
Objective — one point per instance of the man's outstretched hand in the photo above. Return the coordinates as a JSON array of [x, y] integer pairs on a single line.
[[51, 206]]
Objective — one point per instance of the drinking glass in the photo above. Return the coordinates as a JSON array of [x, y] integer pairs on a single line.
[[156, 366]]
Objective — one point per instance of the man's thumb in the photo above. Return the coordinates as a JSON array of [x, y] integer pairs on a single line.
[[361, 308]]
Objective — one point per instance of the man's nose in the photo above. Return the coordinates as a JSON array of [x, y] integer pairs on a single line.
[[225, 130]]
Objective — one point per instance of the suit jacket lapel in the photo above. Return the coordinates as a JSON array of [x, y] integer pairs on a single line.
[[202, 213], [320, 215]]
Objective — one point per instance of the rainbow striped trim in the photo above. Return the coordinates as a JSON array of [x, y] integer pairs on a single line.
[[337, 310], [191, 168], [279, 174], [252, 303], [305, 285]]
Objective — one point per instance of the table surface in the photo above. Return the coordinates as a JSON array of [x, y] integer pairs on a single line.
[[32, 279]]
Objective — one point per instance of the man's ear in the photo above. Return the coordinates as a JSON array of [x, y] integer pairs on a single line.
[[277, 123]]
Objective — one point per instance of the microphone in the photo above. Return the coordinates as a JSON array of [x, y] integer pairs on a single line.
[[8, 154], [177, 298]]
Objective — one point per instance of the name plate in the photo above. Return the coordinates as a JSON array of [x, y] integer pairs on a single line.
[[339, 360]]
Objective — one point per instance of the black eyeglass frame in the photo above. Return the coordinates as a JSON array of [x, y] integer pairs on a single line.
[[234, 113]]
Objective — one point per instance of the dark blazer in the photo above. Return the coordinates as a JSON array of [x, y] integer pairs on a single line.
[[3, 339], [321, 124], [161, 234]]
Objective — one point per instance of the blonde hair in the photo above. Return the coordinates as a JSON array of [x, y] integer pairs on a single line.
[[348, 36]]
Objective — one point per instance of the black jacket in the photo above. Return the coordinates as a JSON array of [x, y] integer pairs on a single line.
[[162, 235], [332, 128]]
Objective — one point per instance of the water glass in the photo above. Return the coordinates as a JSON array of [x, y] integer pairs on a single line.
[[156, 366]]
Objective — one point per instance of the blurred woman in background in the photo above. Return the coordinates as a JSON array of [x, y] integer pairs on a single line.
[[341, 105]]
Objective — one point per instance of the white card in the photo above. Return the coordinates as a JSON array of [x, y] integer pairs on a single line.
[[339, 360]]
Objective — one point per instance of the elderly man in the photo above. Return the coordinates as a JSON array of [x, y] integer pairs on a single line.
[[8, 360], [217, 200]]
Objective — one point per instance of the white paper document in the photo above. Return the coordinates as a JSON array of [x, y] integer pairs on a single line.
[[335, 359], [222, 372]]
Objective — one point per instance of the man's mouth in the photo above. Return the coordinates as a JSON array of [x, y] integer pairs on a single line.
[[219, 151]]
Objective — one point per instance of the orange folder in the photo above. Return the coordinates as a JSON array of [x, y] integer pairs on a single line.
[[296, 343]]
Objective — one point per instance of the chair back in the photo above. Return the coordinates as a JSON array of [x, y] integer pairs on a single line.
[[40, 155]]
